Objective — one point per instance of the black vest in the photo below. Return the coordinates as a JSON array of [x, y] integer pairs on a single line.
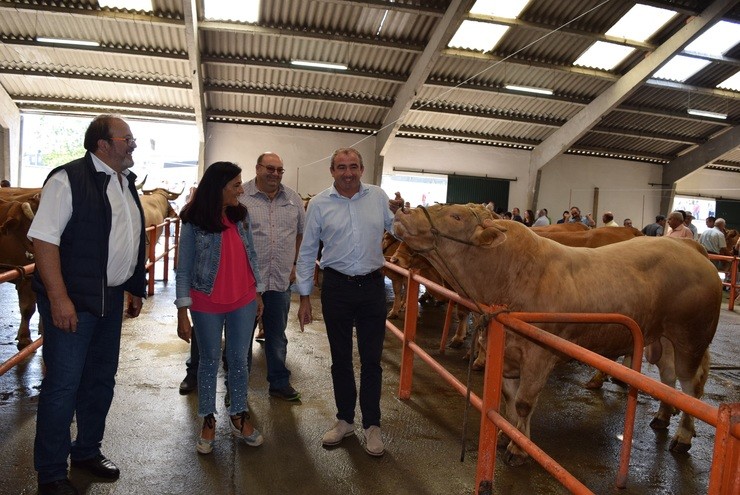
[[83, 247]]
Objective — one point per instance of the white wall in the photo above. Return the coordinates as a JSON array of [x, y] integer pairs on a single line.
[[624, 187], [305, 153]]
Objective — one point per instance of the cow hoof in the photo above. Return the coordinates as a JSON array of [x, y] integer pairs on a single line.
[[514, 460], [618, 382], [478, 367], [23, 343], [679, 447], [658, 424], [594, 384], [455, 344]]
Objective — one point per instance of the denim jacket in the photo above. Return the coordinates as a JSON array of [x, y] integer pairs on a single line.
[[200, 253]]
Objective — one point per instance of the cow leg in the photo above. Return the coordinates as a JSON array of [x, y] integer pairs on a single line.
[[534, 372], [666, 367], [398, 296], [693, 385], [509, 389], [481, 343], [27, 305], [461, 333]]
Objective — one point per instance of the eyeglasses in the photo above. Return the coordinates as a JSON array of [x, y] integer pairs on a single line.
[[272, 170], [129, 140]]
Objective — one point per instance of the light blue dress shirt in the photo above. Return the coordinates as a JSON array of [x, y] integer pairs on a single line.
[[351, 230]]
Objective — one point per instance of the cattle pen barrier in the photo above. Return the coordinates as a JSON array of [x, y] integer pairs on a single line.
[[153, 257], [725, 470], [732, 283]]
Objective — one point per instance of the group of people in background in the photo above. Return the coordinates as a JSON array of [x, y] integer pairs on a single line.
[[242, 247]]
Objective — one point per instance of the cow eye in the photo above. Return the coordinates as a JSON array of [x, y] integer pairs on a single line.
[[456, 217]]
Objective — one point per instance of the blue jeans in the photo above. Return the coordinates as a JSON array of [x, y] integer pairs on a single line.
[[79, 380], [275, 320], [238, 326]]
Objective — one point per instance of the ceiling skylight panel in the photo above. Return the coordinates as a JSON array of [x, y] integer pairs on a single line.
[[480, 36], [603, 55], [680, 68], [717, 39], [145, 5], [731, 83], [509, 9], [641, 22], [228, 10]]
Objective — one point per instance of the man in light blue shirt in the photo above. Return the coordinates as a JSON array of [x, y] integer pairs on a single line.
[[349, 218]]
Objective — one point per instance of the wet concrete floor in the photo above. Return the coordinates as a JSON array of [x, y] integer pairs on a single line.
[[151, 429]]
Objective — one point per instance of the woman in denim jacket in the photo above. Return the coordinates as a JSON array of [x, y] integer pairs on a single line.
[[218, 280]]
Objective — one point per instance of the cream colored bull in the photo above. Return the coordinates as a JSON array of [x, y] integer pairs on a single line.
[[17, 250], [668, 287], [156, 206]]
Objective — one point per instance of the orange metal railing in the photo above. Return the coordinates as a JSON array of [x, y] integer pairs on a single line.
[[725, 472], [153, 257]]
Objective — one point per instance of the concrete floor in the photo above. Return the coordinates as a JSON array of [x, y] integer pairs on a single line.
[[152, 430]]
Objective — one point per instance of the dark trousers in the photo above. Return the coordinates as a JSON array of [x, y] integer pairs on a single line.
[[358, 302], [80, 376]]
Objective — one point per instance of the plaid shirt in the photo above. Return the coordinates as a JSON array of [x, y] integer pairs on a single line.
[[275, 225]]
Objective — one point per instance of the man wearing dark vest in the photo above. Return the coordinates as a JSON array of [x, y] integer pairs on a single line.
[[88, 237]]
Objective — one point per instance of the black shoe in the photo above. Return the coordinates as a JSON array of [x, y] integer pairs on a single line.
[[100, 466], [189, 384], [58, 487], [286, 393]]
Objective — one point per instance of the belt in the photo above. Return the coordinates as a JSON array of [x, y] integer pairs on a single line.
[[355, 278]]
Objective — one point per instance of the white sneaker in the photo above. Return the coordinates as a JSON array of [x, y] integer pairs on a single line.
[[339, 431], [374, 441]]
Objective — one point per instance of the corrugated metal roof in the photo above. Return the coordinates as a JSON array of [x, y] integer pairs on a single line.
[[247, 76]]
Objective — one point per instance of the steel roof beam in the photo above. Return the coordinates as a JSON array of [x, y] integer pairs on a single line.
[[567, 135], [442, 34], [196, 71], [302, 95], [692, 161]]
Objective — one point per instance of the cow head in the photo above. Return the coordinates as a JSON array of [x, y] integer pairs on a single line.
[[171, 196], [424, 227]]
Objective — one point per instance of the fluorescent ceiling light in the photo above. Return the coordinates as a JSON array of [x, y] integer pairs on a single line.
[[480, 36], [529, 89], [680, 68], [731, 83], [145, 5], [706, 113], [716, 40], [603, 55], [229, 10], [509, 9], [641, 22], [319, 65], [62, 41]]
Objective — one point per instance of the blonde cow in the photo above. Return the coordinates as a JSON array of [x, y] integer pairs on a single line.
[[503, 262]]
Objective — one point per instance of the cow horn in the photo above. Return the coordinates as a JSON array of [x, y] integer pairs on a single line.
[[141, 184], [26, 207]]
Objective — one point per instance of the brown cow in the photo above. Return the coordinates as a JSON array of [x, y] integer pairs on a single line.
[[562, 227], [591, 238], [669, 288], [406, 258], [17, 250], [156, 206]]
